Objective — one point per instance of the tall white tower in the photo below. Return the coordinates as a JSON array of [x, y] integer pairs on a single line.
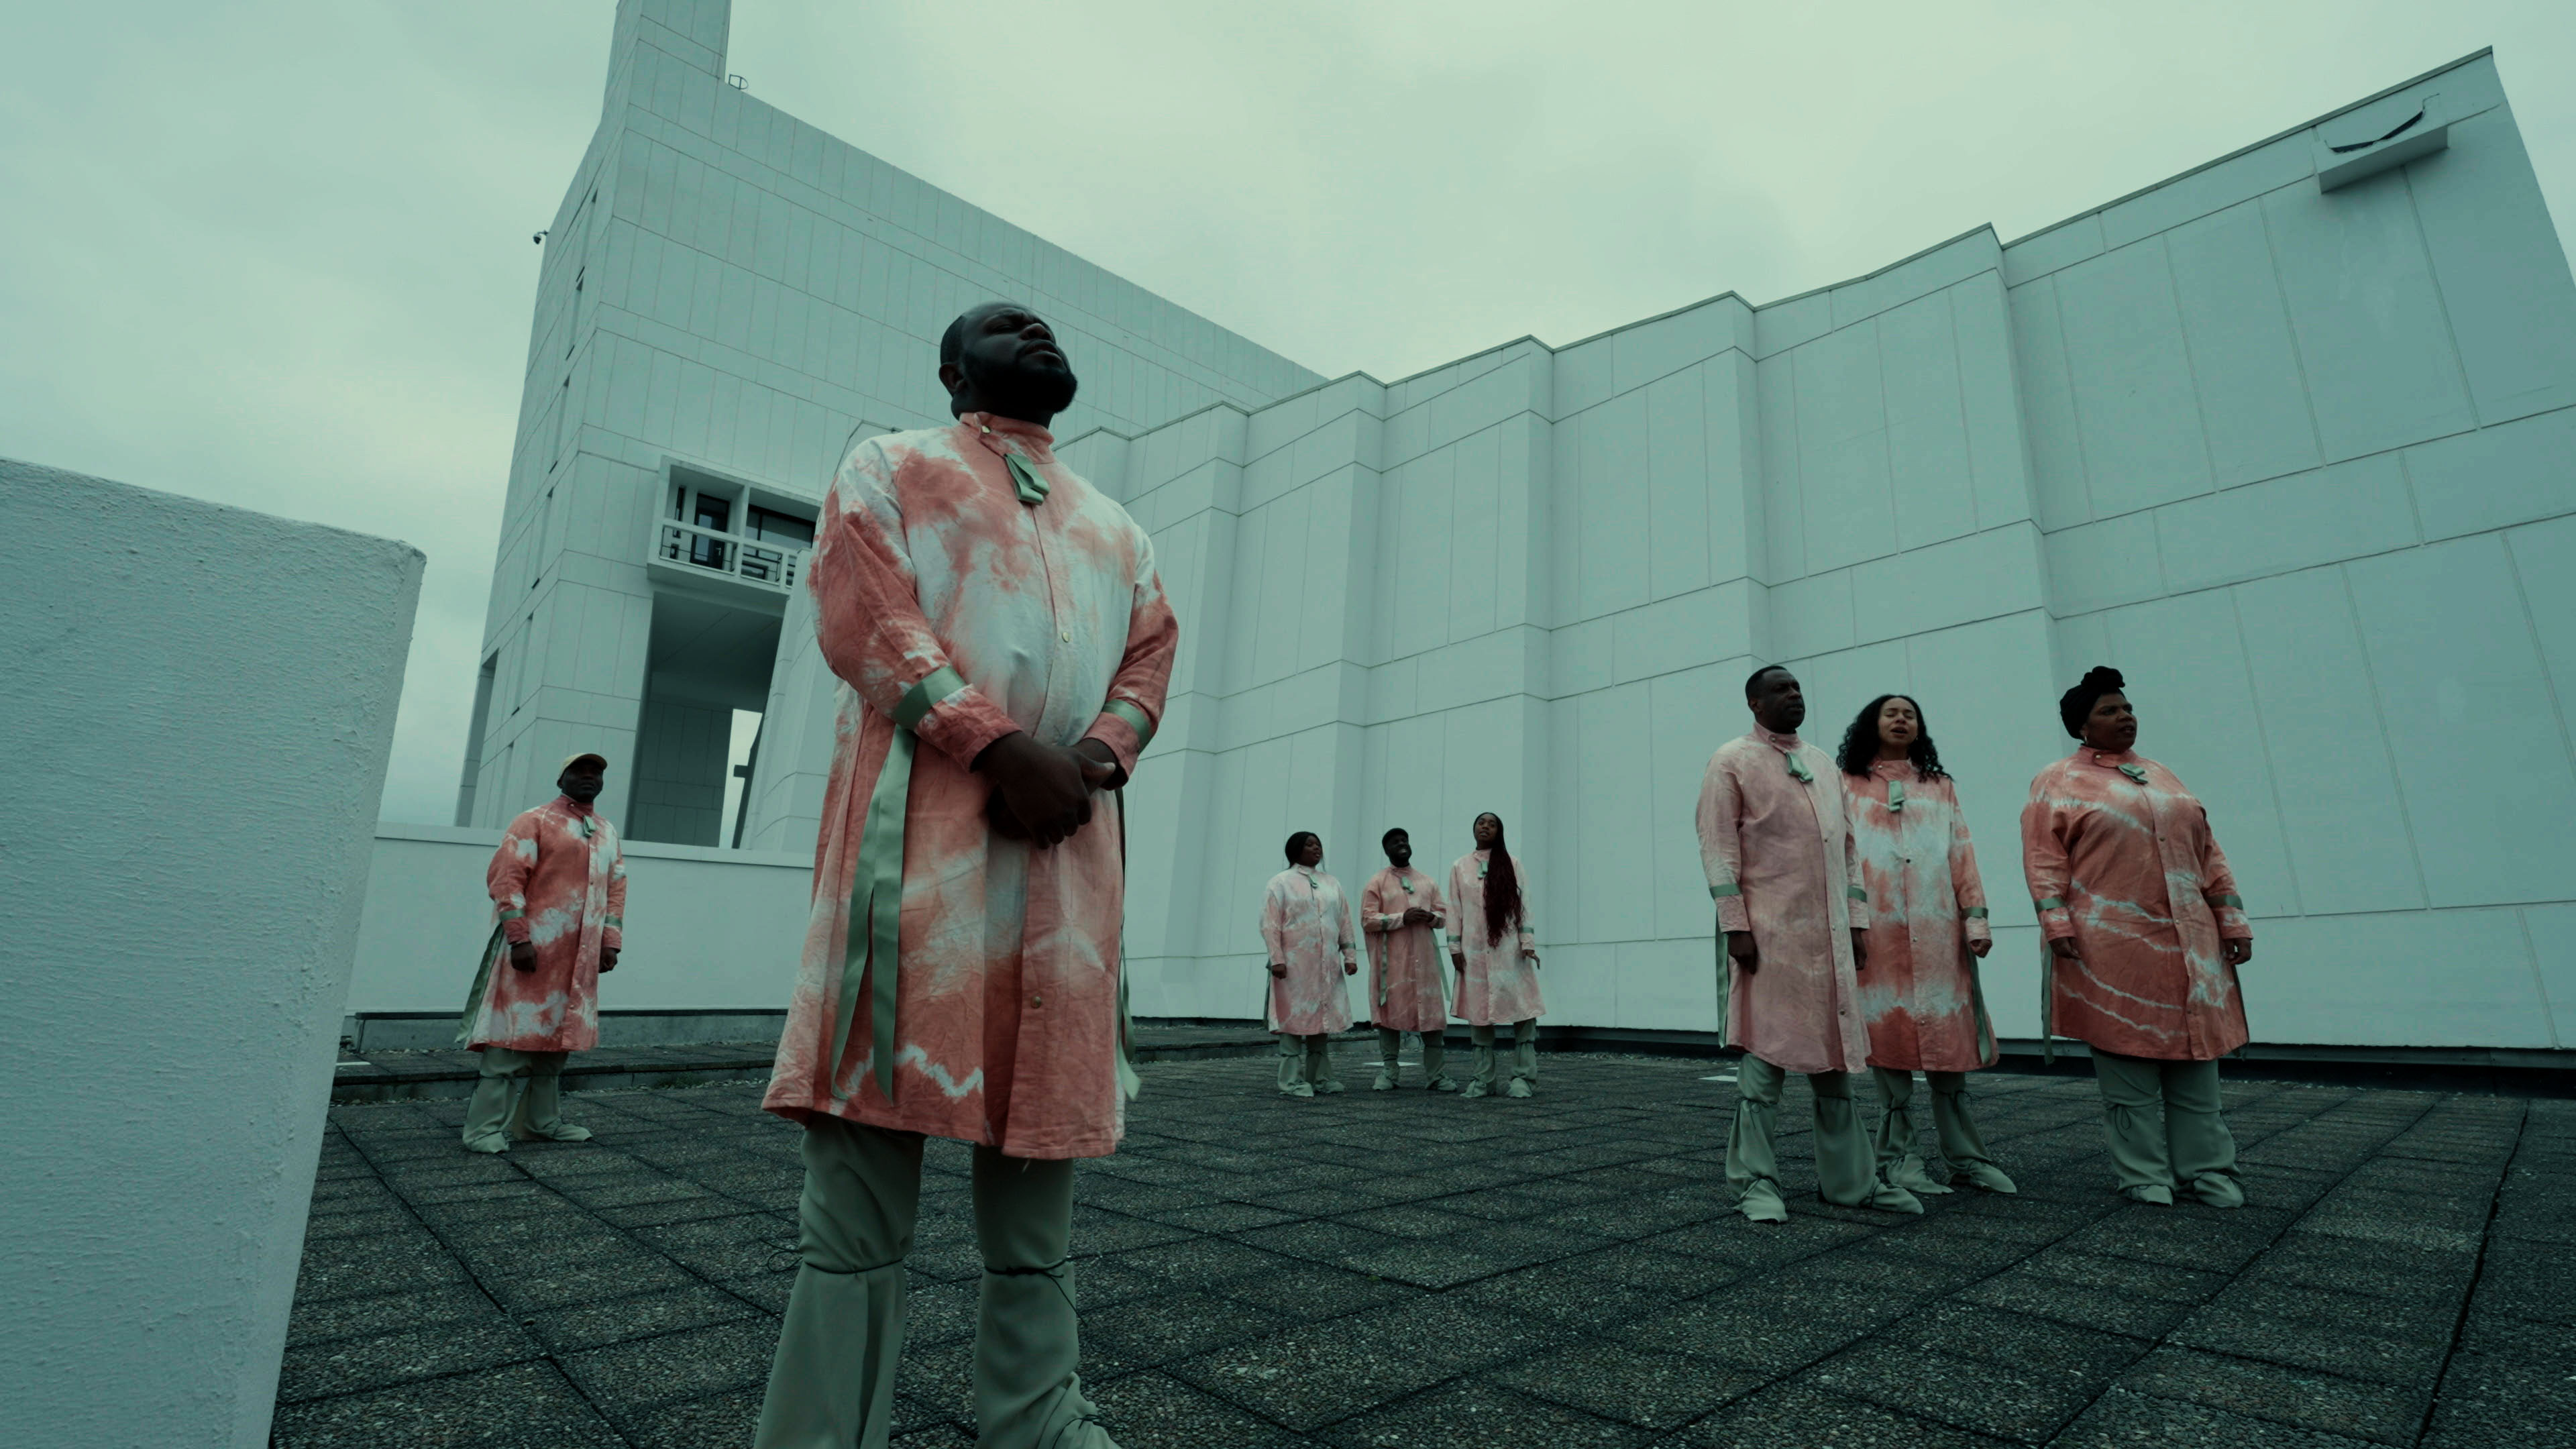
[[727, 297]]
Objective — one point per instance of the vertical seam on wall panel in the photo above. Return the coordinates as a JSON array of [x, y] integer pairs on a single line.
[[2263, 741], [2539, 646], [2433, 274], [2190, 368], [2066, 365], [2298, 352], [2387, 747], [2539, 983], [1959, 385]]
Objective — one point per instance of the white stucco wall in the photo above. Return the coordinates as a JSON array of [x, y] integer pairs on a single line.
[[199, 706], [706, 929]]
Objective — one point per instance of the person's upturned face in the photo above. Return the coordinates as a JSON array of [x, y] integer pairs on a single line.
[[582, 782], [1399, 849], [1012, 359], [1310, 852], [1898, 723], [2113, 724], [1488, 830], [1778, 702]]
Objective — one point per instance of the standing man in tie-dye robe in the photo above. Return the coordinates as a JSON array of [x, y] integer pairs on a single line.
[[2145, 931], [558, 888], [1004, 645], [1495, 950], [1306, 931], [1786, 879], [1400, 909], [1921, 999]]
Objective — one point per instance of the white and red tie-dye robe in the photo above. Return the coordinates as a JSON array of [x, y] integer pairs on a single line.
[[1500, 983], [1919, 997], [557, 883], [2120, 858], [1781, 864], [1006, 1021], [1306, 927], [1406, 981]]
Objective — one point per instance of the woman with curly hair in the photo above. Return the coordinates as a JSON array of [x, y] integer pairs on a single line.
[[1920, 998], [1495, 950], [2145, 931]]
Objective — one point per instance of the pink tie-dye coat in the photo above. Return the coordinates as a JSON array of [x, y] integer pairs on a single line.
[[1781, 863], [1306, 927], [1919, 997], [1006, 1019], [557, 883], [1406, 984], [2128, 868], [1500, 984]]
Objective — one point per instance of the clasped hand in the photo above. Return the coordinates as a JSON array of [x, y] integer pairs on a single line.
[[1042, 792]]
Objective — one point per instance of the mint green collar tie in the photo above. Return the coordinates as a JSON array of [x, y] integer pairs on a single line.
[[876, 888], [1896, 794], [1032, 488], [2134, 772], [1798, 769]]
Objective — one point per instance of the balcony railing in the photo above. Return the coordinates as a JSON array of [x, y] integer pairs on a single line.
[[769, 565]]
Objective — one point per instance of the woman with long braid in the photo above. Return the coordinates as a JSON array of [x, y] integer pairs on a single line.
[[1495, 950]]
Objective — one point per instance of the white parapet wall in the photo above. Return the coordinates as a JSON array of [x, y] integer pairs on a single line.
[[199, 707], [712, 940]]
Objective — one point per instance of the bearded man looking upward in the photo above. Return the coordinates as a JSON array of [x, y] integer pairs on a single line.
[[1004, 645]]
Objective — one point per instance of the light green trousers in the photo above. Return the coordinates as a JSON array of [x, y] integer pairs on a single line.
[[518, 1095], [1307, 1061], [831, 1385], [1390, 1044], [1524, 1053], [1952, 1127], [1845, 1172], [2165, 1130]]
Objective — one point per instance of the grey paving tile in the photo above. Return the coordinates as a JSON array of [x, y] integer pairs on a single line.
[[2027, 1402], [1307, 1377], [1628, 1385], [1313, 1292], [355, 1365], [596, 1323], [1156, 1411], [315, 1319], [520, 1406], [355, 1268], [2346, 1348], [1144, 1333], [2121, 1419], [1800, 1413], [2300, 1397], [628, 1377], [1479, 1410]]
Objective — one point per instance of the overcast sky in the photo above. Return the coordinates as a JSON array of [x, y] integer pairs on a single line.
[[277, 254]]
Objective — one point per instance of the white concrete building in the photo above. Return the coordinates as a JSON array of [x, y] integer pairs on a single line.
[[2287, 438]]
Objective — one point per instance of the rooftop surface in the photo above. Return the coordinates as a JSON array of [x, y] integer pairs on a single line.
[[1408, 1270]]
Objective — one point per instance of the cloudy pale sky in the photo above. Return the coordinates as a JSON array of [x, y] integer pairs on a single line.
[[276, 252]]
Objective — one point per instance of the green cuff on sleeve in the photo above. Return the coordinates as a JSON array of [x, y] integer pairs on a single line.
[[614, 923], [2236, 901], [2050, 904], [1974, 913], [1136, 720], [511, 915], [936, 688], [1857, 893], [1721, 892]]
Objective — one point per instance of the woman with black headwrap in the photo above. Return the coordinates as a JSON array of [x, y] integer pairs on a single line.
[[2145, 931], [1495, 951]]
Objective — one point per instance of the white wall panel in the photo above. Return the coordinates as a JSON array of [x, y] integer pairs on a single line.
[[2489, 787]]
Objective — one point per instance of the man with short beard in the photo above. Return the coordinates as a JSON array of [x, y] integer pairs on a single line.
[[1006, 644], [1785, 874]]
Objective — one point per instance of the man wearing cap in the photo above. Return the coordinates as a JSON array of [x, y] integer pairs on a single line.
[[558, 888], [1004, 646]]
